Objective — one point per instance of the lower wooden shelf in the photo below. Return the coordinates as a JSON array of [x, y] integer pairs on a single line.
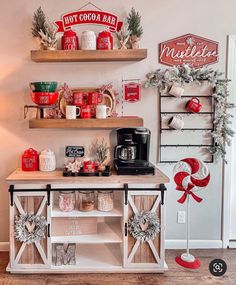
[[108, 123], [95, 256], [107, 233]]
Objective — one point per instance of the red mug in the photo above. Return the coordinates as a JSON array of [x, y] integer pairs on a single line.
[[89, 166], [78, 98], [86, 112], [94, 98], [194, 105]]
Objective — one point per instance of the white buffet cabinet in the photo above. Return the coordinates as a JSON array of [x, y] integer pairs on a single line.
[[110, 248]]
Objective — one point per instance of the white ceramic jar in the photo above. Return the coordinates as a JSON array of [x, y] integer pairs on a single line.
[[88, 40], [47, 160]]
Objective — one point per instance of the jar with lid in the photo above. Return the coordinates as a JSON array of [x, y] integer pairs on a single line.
[[86, 201], [105, 201], [105, 41], [67, 201], [88, 40], [47, 160], [69, 40]]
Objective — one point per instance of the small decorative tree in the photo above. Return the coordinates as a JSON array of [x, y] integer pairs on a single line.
[[44, 30], [135, 28], [102, 151]]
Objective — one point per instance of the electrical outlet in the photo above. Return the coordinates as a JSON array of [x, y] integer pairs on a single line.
[[181, 217]]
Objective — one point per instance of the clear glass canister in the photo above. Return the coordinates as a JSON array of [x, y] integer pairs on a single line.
[[87, 201], [105, 201], [67, 201]]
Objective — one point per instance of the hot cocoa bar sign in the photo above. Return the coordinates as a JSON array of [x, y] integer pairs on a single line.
[[188, 49], [88, 17]]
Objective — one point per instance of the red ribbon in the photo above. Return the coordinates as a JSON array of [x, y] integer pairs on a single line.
[[188, 192]]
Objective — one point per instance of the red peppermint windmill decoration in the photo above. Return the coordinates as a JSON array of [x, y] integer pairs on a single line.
[[190, 175]]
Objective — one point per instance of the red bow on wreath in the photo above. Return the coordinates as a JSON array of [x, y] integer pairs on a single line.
[[188, 192]]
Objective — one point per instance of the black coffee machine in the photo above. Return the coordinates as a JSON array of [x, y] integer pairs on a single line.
[[132, 152]]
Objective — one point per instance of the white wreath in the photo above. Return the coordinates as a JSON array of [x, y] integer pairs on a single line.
[[144, 226], [30, 228]]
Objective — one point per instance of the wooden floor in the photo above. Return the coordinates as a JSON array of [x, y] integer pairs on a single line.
[[175, 276]]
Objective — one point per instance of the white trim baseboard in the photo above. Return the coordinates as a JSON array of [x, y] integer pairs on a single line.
[[4, 246], [193, 244]]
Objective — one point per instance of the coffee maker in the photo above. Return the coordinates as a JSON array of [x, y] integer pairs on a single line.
[[131, 155]]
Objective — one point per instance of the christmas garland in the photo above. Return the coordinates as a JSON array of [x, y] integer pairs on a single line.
[[181, 75], [144, 226], [30, 228]]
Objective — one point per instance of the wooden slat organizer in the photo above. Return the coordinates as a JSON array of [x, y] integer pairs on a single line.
[[88, 55], [109, 123]]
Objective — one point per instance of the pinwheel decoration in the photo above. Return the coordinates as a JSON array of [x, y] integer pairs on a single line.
[[190, 176]]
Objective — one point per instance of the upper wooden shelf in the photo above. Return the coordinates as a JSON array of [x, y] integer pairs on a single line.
[[88, 55], [109, 123]]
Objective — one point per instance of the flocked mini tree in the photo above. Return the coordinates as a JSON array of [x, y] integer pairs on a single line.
[[134, 27], [44, 30]]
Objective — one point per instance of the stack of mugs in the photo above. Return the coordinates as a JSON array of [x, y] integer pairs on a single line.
[[88, 105], [89, 41]]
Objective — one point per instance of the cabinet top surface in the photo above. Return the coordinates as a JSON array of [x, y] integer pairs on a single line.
[[19, 176]]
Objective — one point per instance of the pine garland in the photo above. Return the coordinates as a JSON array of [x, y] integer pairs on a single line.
[[181, 75], [222, 133]]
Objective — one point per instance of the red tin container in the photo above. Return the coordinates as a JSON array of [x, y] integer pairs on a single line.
[[194, 105], [30, 160], [105, 41], [69, 41]]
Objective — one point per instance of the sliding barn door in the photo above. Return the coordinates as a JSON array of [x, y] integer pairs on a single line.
[[150, 253], [23, 254]]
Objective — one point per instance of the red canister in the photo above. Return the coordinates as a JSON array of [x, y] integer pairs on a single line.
[[69, 41], [105, 40], [30, 160]]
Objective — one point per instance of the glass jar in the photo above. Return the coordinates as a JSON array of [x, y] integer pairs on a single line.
[[105, 201], [87, 201], [67, 201]]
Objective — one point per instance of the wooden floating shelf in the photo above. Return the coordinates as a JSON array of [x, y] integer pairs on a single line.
[[88, 55], [109, 123]]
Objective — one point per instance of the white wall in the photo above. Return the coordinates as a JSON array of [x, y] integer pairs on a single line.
[[162, 20]]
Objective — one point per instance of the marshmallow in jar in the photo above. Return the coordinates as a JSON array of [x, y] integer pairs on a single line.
[[88, 40], [47, 160]]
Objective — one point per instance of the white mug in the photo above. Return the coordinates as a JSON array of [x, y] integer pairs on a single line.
[[71, 112], [176, 91], [102, 111], [176, 122]]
